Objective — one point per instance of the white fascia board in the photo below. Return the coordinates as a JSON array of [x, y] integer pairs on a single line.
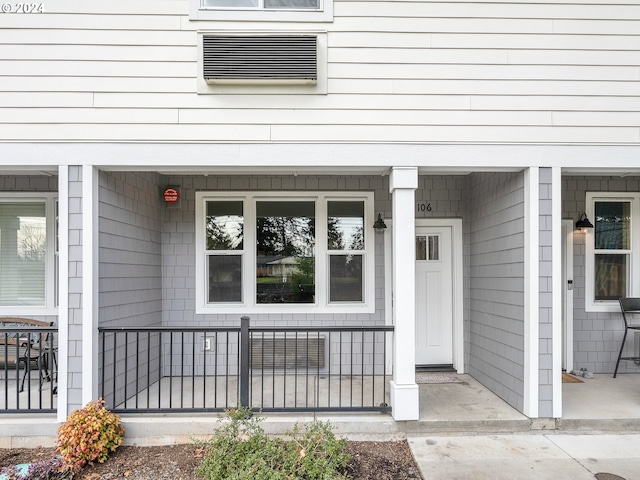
[[473, 157]]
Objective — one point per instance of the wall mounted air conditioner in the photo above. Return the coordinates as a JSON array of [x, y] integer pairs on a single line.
[[260, 59]]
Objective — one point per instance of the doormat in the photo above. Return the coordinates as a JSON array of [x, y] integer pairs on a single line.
[[437, 377], [568, 378]]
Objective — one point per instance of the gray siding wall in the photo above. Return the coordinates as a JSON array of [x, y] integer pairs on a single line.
[[178, 247], [130, 272], [28, 183], [130, 283], [597, 335], [545, 366], [496, 268]]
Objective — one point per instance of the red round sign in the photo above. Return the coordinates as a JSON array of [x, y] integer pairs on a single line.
[[170, 195]]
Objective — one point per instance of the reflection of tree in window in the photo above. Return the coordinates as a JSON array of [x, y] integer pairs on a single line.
[[612, 249], [345, 224], [224, 225], [32, 239], [285, 242], [23, 245], [224, 229], [612, 225]]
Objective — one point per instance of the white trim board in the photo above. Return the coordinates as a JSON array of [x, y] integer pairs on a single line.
[[594, 159]]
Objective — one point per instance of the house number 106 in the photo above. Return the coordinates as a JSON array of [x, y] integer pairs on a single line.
[[423, 207]]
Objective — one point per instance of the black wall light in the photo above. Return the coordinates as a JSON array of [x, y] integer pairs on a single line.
[[583, 223], [379, 224]]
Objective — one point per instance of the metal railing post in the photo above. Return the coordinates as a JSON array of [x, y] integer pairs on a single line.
[[244, 361]]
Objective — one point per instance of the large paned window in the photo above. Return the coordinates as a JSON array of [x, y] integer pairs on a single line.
[[27, 254], [263, 252], [612, 250]]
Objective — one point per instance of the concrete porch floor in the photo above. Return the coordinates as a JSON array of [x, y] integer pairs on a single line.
[[600, 404]]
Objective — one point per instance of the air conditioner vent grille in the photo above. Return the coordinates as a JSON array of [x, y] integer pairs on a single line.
[[260, 57]]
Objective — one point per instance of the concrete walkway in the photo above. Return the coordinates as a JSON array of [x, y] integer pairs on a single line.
[[528, 456]]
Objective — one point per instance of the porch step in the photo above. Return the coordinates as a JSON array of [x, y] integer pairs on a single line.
[[582, 425], [147, 430], [433, 427]]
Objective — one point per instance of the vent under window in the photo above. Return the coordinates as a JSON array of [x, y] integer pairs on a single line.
[[260, 59]]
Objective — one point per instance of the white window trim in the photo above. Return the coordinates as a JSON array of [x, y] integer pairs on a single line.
[[323, 14], [590, 304], [49, 307], [322, 305]]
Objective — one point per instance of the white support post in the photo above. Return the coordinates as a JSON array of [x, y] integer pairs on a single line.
[[63, 291], [89, 284], [556, 260], [405, 404], [531, 291]]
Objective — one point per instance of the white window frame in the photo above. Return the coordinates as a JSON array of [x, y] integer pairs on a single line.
[[322, 304], [49, 307], [591, 305], [260, 14]]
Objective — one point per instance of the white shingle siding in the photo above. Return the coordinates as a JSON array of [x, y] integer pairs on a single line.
[[536, 72]]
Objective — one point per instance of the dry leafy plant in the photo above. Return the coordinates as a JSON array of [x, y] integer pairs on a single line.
[[89, 435]]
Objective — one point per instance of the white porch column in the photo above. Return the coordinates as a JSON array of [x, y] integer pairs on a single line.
[[531, 291], [63, 291], [403, 182], [89, 284]]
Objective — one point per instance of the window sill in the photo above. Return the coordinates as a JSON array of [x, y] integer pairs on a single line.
[[323, 16], [280, 309], [602, 307]]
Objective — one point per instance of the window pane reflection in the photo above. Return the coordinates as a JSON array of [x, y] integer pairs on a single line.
[[225, 278], [613, 222], [23, 245], [421, 247], [345, 278], [611, 276], [224, 225], [345, 225], [285, 241]]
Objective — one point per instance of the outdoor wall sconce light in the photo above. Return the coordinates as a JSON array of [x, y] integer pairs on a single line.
[[583, 223], [379, 224]]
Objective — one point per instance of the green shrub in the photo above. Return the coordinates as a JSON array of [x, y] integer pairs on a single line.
[[240, 450], [89, 435]]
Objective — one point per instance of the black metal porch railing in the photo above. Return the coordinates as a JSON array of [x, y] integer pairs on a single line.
[[277, 369], [28, 369]]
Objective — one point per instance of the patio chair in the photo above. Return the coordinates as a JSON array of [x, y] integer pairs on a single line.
[[628, 305], [29, 351]]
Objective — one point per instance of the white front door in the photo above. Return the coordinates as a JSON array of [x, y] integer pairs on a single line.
[[434, 295]]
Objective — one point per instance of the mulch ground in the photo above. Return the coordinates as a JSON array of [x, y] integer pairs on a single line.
[[390, 460]]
